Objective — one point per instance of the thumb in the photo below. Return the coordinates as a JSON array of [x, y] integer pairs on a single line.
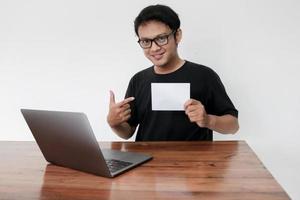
[[112, 98]]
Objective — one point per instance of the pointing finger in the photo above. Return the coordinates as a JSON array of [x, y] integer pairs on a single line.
[[125, 101]]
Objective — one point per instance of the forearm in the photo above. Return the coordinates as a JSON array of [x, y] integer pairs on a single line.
[[226, 124], [124, 130]]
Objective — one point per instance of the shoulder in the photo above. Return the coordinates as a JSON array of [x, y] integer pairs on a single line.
[[143, 74], [201, 70]]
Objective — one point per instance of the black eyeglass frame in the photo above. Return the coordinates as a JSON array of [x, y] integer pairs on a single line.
[[154, 40]]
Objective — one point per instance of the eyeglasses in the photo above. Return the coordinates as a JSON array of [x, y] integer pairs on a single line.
[[159, 41]]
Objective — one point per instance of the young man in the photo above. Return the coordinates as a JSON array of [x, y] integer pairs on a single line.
[[209, 108]]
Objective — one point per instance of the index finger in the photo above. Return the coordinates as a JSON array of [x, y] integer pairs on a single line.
[[125, 101]]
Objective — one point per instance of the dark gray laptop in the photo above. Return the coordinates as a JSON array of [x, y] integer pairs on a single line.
[[67, 139]]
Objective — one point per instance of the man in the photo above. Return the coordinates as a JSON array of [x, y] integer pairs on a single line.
[[209, 108]]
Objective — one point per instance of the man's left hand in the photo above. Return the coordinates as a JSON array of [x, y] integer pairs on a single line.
[[196, 112]]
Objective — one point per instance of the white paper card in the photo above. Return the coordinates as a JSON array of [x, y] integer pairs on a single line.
[[169, 96]]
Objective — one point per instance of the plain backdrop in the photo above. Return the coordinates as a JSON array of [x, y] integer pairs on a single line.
[[67, 55]]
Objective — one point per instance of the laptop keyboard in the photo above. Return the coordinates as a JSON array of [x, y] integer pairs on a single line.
[[115, 165]]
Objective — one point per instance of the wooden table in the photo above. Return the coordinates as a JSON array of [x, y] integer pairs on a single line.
[[179, 170]]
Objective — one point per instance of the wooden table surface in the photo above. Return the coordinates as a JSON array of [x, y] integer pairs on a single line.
[[179, 170]]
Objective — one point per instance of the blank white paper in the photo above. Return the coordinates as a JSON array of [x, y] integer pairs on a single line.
[[169, 96]]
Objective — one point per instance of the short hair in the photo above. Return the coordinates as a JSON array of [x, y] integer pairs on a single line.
[[160, 13]]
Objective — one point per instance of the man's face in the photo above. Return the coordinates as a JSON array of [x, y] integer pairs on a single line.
[[159, 55]]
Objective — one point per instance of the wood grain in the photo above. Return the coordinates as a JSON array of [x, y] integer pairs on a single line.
[[179, 170]]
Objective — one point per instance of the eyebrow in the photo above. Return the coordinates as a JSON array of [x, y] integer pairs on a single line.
[[162, 34]]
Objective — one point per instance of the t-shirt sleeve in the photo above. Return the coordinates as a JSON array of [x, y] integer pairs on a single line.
[[131, 91], [219, 102]]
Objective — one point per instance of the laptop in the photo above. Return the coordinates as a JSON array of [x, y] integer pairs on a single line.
[[66, 139]]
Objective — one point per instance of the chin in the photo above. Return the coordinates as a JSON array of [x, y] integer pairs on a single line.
[[159, 63]]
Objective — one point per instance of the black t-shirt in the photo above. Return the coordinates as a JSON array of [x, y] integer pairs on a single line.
[[205, 86]]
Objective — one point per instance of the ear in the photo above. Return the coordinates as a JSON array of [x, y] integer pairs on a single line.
[[178, 36]]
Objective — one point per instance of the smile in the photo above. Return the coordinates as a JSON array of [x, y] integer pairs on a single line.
[[157, 56]]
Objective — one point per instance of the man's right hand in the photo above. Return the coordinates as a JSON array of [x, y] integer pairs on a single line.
[[118, 112]]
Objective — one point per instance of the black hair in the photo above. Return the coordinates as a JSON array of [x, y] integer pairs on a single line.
[[160, 13]]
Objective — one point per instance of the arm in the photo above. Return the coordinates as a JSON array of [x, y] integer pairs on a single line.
[[123, 130], [225, 124]]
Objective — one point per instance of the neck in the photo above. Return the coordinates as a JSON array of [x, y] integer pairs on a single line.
[[170, 67]]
